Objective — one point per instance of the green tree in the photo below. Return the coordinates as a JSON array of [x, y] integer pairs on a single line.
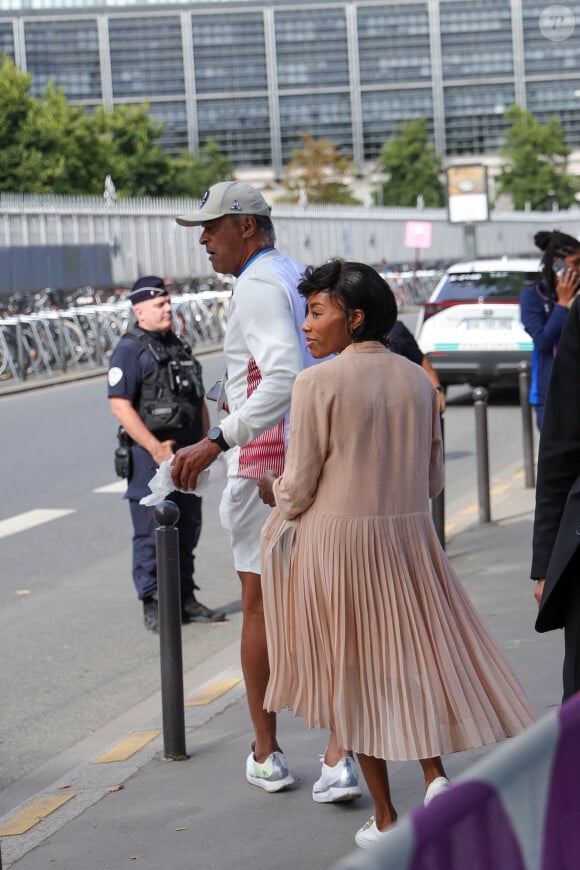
[[129, 152], [192, 174], [534, 162], [412, 168], [57, 148], [15, 105], [317, 171], [48, 146]]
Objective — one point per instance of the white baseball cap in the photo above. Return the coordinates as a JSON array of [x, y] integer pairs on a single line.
[[226, 197]]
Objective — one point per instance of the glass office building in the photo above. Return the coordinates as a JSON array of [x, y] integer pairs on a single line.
[[254, 74]]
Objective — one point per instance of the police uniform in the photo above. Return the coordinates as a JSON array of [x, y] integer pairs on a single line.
[[168, 395]]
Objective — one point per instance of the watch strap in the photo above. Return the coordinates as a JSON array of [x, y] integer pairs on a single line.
[[216, 435]]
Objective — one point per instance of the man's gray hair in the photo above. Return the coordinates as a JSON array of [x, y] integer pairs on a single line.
[[264, 225]]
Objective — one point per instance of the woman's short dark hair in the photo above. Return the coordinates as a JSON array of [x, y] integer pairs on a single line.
[[355, 285]]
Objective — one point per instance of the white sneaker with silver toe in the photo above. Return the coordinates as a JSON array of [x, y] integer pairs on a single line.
[[438, 786]]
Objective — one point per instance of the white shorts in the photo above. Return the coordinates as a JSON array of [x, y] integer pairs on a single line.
[[242, 514]]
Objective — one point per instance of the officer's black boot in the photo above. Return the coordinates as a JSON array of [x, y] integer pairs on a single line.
[[151, 614], [193, 610]]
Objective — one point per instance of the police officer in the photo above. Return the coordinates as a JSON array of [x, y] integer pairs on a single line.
[[155, 390]]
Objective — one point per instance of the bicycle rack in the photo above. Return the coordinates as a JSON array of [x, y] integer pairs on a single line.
[[83, 337], [7, 363]]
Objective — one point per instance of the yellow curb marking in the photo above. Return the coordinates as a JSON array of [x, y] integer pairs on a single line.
[[128, 747], [31, 815], [210, 693]]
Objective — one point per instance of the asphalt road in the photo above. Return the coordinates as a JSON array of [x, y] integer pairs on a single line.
[[74, 652]]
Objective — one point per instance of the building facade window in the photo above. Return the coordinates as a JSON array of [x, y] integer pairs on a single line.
[[240, 127], [476, 39], [322, 60], [474, 117], [383, 111], [146, 57], [393, 44], [323, 116], [229, 53], [315, 66], [6, 39], [173, 116], [65, 52]]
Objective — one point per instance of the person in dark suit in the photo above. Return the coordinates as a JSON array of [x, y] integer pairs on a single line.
[[556, 537], [402, 341]]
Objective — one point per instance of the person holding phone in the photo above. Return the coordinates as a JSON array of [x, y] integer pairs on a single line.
[[544, 306]]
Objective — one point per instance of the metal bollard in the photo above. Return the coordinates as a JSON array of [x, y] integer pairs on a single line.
[[169, 594], [438, 503], [480, 396], [527, 423]]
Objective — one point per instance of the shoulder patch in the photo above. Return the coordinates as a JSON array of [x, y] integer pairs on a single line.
[[115, 375]]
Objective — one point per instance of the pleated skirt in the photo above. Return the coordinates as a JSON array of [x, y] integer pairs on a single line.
[[369, 628]]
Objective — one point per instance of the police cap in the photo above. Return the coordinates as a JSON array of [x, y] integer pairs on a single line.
[[146, 288]]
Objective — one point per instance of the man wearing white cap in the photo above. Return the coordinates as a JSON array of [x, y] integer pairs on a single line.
[[265, 350]]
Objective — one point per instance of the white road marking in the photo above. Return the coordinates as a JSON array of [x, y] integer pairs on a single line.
[[118, 486], [29, 520]]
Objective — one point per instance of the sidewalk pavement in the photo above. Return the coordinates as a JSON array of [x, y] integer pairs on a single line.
[[200, 813]]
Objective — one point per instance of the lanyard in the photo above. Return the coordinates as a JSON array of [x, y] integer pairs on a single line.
[[254, 258]]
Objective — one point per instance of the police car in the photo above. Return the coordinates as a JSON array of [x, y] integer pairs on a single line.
[[470, 328]]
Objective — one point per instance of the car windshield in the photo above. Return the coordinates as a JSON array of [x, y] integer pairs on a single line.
[[485, 285]]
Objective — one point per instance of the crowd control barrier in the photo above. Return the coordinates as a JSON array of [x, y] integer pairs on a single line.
[[78, 339], [516, 809]]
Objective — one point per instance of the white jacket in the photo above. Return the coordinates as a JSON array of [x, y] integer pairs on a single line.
[[265, 349]]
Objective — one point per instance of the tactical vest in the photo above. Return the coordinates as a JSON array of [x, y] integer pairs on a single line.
[[172, 397]]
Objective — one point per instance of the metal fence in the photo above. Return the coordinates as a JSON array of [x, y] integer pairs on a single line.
[[82, 338], [143, 238]]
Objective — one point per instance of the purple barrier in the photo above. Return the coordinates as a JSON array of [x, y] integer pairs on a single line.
[[516, 809]]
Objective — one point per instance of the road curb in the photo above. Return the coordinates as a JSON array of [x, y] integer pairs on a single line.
[[86, 783]]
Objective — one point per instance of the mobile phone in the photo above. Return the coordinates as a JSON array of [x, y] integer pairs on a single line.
[[213, 392], [559, 266]]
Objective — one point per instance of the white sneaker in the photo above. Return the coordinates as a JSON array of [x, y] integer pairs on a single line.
[[271, 774], [338, 783], [438, 786], [369, 835]]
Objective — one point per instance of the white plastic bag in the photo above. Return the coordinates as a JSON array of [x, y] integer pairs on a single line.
[[161, 483]]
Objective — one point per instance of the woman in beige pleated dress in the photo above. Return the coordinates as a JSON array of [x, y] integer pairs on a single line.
[[370, 633]]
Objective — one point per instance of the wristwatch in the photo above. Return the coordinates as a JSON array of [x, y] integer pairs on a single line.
[[216, 435]]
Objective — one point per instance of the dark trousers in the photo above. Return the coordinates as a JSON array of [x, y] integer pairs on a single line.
[[144, 550], [571, 670]]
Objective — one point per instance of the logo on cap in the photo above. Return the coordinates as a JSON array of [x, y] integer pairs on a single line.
[[235, 206], [204, 199]]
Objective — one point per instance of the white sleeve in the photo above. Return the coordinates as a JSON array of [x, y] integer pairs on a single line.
[[265, 318]]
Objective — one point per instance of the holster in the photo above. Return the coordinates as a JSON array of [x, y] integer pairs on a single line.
[[123, 458]]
